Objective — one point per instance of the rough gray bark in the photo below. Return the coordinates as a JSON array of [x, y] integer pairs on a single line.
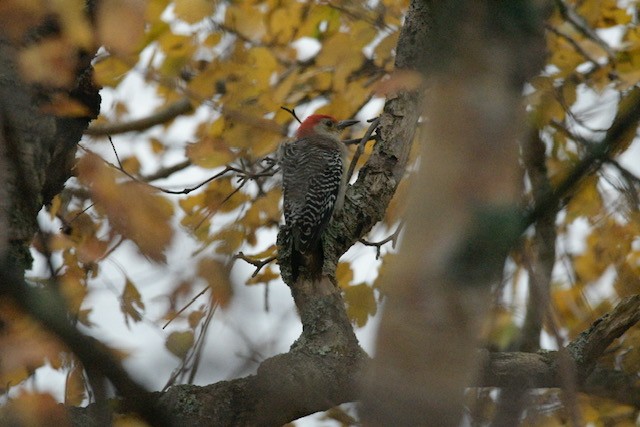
[[44, 145], [295, 384]]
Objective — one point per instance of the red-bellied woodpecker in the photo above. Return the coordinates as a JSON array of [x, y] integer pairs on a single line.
[[313, 181]]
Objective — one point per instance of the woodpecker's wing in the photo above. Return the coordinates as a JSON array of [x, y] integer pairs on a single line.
[[311, 180]]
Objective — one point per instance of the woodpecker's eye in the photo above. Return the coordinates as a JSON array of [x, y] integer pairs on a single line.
[[329, 123]]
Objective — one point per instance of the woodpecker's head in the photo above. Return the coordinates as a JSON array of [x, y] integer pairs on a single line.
[[320, 124]]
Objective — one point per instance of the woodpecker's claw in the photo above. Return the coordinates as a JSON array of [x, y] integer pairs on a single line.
[[346, 123]]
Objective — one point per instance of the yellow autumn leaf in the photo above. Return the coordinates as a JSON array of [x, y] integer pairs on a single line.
[[131, 302], [62, 105], [590, 265], [262, 66], [157, 147], [382, 53], [73, 286], [11, 377], [587, 201], [229, 240], [265, 211], [265, 276], [221, 195], [360, 302], [281, 92], [120, 25], [204, 83], [178, 49], [564, 55], [270, 251], [398, 203], [36, 409], [192, 202], [135, 210], [284, 21], [74, 387], [129, 420], [627, 282], [74, 22], [110, 71], [198, 225], [209, 153], [247, 20], [52, 62], [155, 8], [91, 249], [628, 102], [216, 274], [195, 317], [612, 15], [344, 274], [339, 54], [504, 329], [347, 103], [179, 343], [319, 15], [193, 11], [132, 165]]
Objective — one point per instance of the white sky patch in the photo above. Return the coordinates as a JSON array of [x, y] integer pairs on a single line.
[[306, 48], [371, 109]]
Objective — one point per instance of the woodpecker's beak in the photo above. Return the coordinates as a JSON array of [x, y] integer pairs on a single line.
[[346, 123]]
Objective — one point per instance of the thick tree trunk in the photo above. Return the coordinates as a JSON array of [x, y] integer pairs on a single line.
[[38, 150], [463, 217]]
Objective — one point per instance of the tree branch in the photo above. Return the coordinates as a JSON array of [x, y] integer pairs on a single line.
[[280, 391], [623, 127], [168, 113]]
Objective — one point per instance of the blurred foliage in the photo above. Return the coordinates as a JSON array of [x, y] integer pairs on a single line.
[[237, 63]]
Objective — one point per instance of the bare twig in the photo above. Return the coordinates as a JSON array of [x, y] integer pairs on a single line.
[[196, 354], [257, 263], [393, 238], [202, 292], [170, 112], [166, 171], [244, 175], [358, 140], [191, 360], [360, 149], [292, 111]]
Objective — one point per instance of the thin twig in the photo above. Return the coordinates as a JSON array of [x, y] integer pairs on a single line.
[[244, 174], [360, 149], [257, 263], [199, 345], [393, 238], [166, 171], [358, 140], [202, 292], [292, 111]]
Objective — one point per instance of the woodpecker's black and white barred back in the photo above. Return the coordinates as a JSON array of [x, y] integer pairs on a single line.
[[313, 173]]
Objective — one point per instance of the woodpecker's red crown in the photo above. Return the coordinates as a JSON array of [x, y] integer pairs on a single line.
[[308, 126], [322, 124]]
